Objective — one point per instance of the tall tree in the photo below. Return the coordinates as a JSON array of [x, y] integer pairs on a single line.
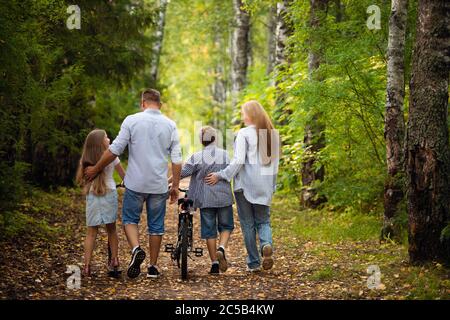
[[271, 38], [158, 42], [394, 128], [219, 87], [240, 50], [428, 154], [314, 138], [283, 31]]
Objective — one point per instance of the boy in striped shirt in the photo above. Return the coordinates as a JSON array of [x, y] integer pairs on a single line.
[[214, 201]]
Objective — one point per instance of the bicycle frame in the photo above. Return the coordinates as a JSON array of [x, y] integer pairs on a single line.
[[185, 221]]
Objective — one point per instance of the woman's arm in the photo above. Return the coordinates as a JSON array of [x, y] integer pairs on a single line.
[[235, 165]]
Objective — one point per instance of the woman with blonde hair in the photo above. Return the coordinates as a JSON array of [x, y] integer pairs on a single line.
[[254, 168], [101, 199]]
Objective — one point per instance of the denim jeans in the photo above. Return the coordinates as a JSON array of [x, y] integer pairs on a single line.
[[214, 219], [254, 218], [133, 203]]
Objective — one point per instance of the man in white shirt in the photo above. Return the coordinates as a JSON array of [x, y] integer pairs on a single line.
[[151, 138]]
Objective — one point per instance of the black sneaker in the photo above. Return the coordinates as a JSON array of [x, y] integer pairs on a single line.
[[152, 272], [214, 269], [134, 268], [223, 264]]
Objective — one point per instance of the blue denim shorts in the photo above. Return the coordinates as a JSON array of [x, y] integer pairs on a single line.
[[133, 203], [213, 219], [101, 209]]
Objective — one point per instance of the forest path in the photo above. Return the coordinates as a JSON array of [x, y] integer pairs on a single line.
[[235, 283], [34, 267]]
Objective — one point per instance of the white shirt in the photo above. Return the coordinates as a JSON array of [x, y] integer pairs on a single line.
[[151, 138], [255, 180], [109, 172]]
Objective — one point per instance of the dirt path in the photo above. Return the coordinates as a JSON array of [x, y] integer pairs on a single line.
[[235, 283], [33, 267]]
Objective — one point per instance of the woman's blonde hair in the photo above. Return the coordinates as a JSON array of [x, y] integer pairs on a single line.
[[259, 117], [93, 149]]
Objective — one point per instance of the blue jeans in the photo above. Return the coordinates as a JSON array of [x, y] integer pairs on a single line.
[[214, 219], [133, 203], [255, 218]]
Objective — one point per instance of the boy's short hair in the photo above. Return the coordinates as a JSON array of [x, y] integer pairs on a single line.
[[207, 135], [151, 95]]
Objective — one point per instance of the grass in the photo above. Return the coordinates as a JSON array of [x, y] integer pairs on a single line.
[[323, 274], [325, 225], [349, 241], [36, 215]]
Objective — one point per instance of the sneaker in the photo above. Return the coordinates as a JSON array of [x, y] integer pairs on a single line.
[[253, 270], [267, 261], [152, 272], [223, 265], [134, 268], [214, 269]]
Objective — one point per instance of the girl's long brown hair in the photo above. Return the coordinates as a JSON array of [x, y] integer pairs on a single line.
[[93, 149], [261, 119]]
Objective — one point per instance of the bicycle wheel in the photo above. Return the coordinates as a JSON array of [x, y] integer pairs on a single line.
[[184, 249]]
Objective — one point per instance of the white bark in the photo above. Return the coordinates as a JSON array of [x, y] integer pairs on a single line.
[[240, 50], [394, 126], [158, 42]]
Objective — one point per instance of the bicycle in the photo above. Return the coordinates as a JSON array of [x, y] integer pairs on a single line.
[[184, 245]]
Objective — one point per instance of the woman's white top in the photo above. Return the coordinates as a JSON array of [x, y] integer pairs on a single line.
[[257, 181]]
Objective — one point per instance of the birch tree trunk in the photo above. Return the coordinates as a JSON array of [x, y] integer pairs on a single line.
[[158, 42], [283, 32], [314, 139], [271, 38], [394, 126], [219, 88], [428, 154], [240, 50]]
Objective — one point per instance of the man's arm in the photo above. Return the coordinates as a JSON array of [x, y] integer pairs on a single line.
[[234, 166], [93, 171], [176, 173], [175, 156], [115, 149]]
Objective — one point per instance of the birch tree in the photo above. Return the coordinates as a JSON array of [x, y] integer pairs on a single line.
[[314, 138], [240, 50], [158, 42], [394, 127]]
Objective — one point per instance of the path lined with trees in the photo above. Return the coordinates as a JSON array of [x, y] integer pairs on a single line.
[[361, 106]]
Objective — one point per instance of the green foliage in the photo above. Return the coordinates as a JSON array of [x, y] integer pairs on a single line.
[[55, 84], [347, 91], [325, 225], [326, 273]]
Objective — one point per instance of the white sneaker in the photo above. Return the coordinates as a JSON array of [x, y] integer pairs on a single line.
[[254, 270]]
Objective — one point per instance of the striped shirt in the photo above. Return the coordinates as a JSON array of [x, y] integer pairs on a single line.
[[151, 138], [198, 166], [256, 181]]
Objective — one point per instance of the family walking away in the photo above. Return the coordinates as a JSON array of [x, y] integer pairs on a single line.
[[152, 139]]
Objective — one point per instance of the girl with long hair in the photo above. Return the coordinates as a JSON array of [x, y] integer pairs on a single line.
[[101, 199]]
